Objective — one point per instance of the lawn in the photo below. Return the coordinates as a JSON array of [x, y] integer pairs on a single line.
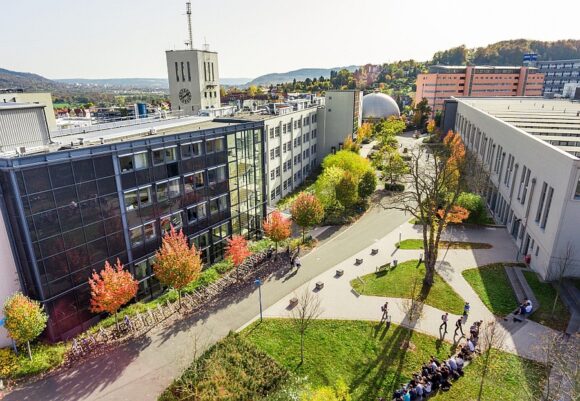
[[417, 243], [373, 360], [546, 294], [44, 358], [399, 282], [492, 285]]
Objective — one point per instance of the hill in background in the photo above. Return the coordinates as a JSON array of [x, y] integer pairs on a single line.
[[298, 75]]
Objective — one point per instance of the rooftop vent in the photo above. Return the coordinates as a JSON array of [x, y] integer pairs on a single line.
[[81, 141]]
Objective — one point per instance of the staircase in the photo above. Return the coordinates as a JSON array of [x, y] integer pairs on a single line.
[[570, 295], [520, 285]]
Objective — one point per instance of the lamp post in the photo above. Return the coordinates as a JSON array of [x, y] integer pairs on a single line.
[[258, 282], [400, 234]]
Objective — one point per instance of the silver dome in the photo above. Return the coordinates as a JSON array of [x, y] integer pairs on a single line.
[[377, 106]]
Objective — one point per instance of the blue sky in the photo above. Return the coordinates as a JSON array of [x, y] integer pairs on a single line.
[[127, 38]]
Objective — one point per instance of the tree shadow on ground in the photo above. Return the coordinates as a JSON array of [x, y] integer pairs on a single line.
[[93, 375]]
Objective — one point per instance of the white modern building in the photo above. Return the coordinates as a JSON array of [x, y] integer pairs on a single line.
[[193, 80], [340, 118], [530, 147]]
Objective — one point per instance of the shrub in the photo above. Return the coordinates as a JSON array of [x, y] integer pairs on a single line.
[[394, 187], [474, 205], [8, 363], [224, 266], [367, 184], [261, 245]]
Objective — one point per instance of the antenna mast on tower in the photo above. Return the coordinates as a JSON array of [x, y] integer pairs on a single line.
[[188, 12]]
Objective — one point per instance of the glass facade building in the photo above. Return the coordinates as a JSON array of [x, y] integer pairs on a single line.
[[69, 211]]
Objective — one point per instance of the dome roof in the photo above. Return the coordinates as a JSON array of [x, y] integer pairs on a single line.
[[379, 106]]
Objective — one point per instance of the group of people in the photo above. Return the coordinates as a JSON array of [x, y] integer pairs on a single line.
[[437, 375], [525, 308]]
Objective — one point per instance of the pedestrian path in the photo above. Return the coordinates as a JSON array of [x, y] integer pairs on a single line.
[[340, 301]]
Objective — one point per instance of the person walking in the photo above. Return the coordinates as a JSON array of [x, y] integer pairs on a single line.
[[298, 264], [458, 326], [444, 318], [384, 309], [466, 309]]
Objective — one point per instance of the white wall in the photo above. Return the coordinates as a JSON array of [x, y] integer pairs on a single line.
[[9, 282], [547, 164], [339, 115]]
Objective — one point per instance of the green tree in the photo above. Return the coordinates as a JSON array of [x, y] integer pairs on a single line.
[[325, 185], [367, 184], [474, 204], [307, 211], [391, 163], [25, 319], [355, 164], [347, 190], [422, 111]]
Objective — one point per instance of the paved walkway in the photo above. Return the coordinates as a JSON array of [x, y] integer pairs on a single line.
[[339, 301], [142, 369]]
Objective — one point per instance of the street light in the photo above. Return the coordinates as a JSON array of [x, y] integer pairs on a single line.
[[400, 234], [258, 282]]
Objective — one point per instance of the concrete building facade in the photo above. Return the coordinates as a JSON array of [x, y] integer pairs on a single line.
[[559, 73], [534, 173], [340, 118], [193, 80], [443, 82]]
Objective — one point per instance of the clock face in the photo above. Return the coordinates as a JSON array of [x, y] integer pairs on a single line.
[[185, 96]]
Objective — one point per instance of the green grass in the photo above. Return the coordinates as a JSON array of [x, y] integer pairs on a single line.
[[417, 243], [492, 285], [373, 361], [546, 293], [44, 358], [399, 282]]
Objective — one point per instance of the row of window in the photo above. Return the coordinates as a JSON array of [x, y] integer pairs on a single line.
[[142, 160]]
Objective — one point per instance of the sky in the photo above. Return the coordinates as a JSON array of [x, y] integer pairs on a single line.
[[128, 38]]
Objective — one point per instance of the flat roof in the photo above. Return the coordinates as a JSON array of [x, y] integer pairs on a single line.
[[554, 121], [13, 105]]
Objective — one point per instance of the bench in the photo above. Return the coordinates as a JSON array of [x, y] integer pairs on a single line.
[[384, 267], [319, 285], [339, 272], [374, 251], [358, 261], [294, 301]]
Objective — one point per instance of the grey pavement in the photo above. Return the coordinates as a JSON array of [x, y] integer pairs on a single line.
[[143, 368]]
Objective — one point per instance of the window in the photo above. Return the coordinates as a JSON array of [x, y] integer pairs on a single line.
[[193, 181], [190, 150], [214, 145], [196, 213], [220, 232], [166, 222], [136, 236], [278, 171], [132, 162], [273, 194], [141, 234], [272, 175], [174, 188], [139, 197], [277, 151], [271, 133], [277, 131], [525, 191], [149, 231], [157, 157], [271, 154], [161, 191], [145, 198], [547, 209], [201, 241], [216, 175], [131, 200], [218, 204]]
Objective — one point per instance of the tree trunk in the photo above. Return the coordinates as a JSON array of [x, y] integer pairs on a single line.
[[429, 273], [556, 300], [29, 352], [301, 348], [483, 375], [179, 298], [303, 231]]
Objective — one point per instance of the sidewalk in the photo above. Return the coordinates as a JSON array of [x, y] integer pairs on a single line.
[[340, 301]]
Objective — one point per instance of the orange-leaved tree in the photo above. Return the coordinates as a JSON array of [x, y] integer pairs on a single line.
[[112, 288], [456, 215], [307, 211], [237, 250], [25, 319], [176, 263], [277, 227]]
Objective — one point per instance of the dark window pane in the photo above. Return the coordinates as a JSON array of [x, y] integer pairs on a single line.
[[83, 170], [116, 243], [113, 225], [91, 212], [126, 163], [107, 186], [36, 179], [61, 175], [110, 205], [94, 231], [58, 287], [78, 258], [20, 181], [51, 246], [41, 201], [46, 224], [128, 180], [56, 267], [87, 190], [142, 177], [70, 217], [82, 276], [65, 196], [172, 170], [104, 166], [73, 238], [98, 250]]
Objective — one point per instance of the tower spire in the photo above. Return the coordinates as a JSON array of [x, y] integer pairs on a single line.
[[188, 12]]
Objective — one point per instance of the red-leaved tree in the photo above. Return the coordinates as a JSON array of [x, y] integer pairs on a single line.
[[176, 263], [237, 250], [307, 211], [277, 227], [112, 288]]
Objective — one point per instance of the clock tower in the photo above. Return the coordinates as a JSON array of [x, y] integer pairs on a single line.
[[193, 80]]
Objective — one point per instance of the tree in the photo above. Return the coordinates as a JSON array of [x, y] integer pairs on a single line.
[[237, 250], [25, 319], [277, 227], [364, 132], [351, 145], [176, 263], [422, 111], [559, 271], [431, 126], [474, 204], [252, 90], [367, 184], [112, 288], [432, 189], [307, 211], [456, 214], [302, 315], [347, 190], [391, 163], [325, 185], [490, 336], [348, 161]]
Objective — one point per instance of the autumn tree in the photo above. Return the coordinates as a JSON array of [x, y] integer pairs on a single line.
[[364, 132], [277, 227], [176, 263], [112, 288], [367, 184], [432, 188], [307, 211], [237, 250], [25, 319], [302, 315], [431, 126]]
